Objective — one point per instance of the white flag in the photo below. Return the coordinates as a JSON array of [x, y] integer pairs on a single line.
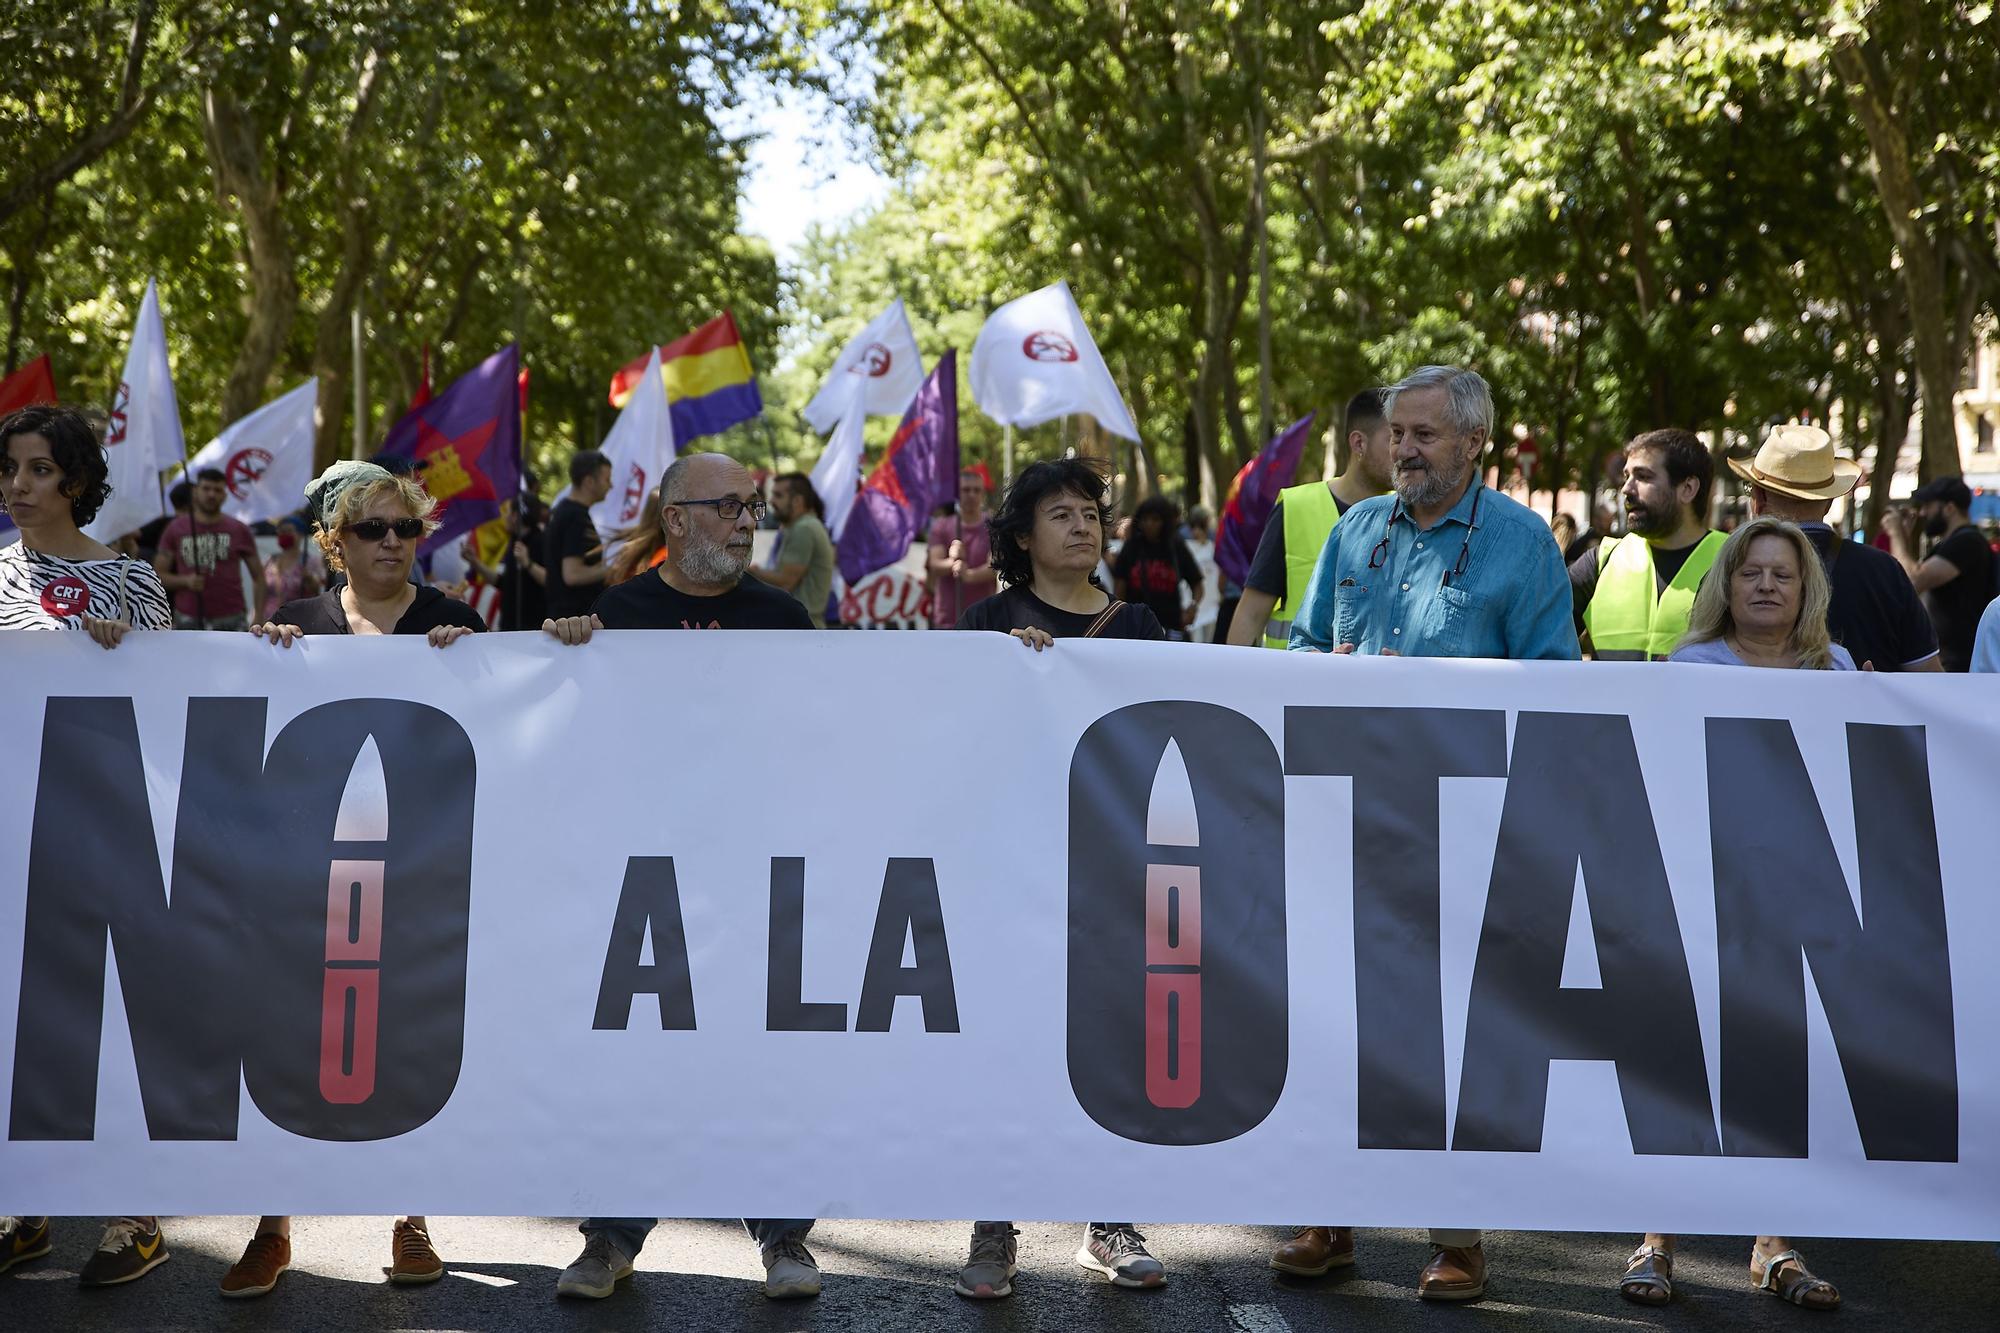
[[640, 447], [266, 458], [144, 438], [838, 471], [884, 356], [1034, 361]]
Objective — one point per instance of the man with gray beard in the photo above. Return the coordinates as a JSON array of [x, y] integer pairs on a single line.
[[1444, 567], [709, 508]]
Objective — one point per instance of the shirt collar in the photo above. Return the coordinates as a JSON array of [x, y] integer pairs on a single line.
[[1462, 512]]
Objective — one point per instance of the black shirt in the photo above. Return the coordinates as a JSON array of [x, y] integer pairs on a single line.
[[1267, 567], [649, 602], [1874, 612], [1956, 606], [1154, 574], [1017, 608], [570, 532], [325, 615]]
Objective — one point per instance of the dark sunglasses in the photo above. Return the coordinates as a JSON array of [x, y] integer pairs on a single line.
[[375, 529]]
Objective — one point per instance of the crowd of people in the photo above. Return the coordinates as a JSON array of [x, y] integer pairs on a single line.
[[1408, 552]]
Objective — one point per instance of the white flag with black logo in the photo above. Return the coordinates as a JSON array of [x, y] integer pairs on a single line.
[[144, 436], [266, 458], [884, 357], [1035, 361]]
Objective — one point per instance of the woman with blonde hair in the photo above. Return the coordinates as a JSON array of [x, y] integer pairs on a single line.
[[642, 546], [369, 522], [1763, 604]]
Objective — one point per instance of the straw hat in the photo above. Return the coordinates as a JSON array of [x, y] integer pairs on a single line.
[[1799, 461]]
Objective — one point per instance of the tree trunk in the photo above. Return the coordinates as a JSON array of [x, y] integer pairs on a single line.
[[333, 338], [1892, 428], [240, 173], [1267, 425], [1922, 269]]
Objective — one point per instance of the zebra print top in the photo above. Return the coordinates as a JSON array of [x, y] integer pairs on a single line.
[[40, 591]]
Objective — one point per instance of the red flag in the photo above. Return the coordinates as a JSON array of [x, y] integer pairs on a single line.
[[31, 384], [423, 393]]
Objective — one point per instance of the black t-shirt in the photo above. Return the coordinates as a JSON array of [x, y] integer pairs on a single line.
[[1583, 572], [325, 615], [649, 602], [1154, 574], [1956, 606], [1874, 612], [570, 532], [1017, 608], [1267, 567]]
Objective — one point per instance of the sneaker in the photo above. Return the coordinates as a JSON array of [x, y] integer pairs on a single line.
[[412, 1259], [22, 1239], [264, 1258], [130, 1249], [1119, 1252], [596, 1271], [989, 1270], [790, 1270]]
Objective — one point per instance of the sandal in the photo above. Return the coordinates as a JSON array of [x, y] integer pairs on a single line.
[[1799, 1286], [1649, 1276]]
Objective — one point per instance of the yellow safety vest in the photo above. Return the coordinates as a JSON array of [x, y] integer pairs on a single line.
[[1309, 514], [1629, 618]]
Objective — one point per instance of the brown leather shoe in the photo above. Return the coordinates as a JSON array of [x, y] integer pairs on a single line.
[[264, 1260], [1315, 1251], [1453, 1274], [414, 1259]]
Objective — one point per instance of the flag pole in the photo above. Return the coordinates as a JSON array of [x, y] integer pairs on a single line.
[[1006, 456], [360, 388]]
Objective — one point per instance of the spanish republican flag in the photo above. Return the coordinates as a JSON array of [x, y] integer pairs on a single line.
[[710, 385]]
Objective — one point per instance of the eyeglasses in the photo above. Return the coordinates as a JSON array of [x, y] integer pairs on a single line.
[[375, 529], [728, 507], [1378, 556]]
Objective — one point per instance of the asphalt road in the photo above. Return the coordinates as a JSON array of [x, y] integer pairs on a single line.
[[897, 1275]]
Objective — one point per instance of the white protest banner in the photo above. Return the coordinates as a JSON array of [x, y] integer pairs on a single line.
[[885, 358], [143, 438], [1202, 936], [265, 458], [1035, 361]]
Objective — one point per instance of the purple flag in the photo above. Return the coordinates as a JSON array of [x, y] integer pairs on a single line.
[[916, 475], [466, 443], [1252, 497]]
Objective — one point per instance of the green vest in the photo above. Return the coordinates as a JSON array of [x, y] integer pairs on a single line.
[[1629, 619], [1309, 514]]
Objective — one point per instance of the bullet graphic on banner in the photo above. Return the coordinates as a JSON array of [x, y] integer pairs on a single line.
[[351, 994], [1173, 942]]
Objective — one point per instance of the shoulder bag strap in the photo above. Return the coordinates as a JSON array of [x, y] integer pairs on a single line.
[[124, 574], [1103, 619]]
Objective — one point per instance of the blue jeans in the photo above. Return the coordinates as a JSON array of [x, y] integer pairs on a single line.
[[629, 1233]]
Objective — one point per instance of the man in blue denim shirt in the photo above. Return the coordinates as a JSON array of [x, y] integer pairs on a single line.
[[1445, 566]]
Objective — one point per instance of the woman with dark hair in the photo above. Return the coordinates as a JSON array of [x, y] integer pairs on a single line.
[[53, 480], [1153, 564], [1047, 537]]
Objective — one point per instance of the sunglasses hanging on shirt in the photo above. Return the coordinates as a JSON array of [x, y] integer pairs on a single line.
[[1380, 555]]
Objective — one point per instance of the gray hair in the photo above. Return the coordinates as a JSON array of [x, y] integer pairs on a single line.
[[1469, 399]]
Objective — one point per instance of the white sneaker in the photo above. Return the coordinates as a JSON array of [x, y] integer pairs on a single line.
[[596, 1271], [789, 1270]]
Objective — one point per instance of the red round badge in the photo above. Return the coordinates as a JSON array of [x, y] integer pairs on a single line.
[[1048, 345], [65, 597]]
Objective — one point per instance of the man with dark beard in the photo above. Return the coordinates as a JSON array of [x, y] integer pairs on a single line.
[[1633, 595]]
